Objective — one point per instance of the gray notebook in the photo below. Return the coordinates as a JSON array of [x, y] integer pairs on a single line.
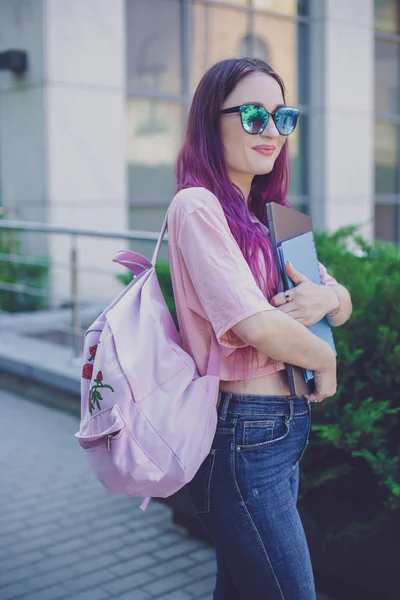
[[301, 252], [285, 223]]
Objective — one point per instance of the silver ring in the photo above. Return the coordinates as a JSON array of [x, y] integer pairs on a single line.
[[287, 295]]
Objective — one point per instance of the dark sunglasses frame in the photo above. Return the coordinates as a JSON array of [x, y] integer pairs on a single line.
[[240, 110]]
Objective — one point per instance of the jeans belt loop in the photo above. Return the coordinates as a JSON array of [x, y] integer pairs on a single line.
[[225, 405]]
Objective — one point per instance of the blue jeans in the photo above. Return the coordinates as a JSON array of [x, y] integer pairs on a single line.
[[245, 494]]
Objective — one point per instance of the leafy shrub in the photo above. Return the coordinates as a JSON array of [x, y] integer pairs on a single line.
[[351, 471], [34, 276]]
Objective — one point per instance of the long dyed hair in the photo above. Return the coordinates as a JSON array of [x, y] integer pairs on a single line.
[[201, 163]]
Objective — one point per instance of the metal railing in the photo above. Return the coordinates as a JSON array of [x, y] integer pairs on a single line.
[[72, 265]]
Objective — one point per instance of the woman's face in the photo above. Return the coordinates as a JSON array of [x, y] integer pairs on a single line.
[[248, 155]]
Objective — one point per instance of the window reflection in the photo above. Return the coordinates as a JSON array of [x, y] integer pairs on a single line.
[[386, 158], [154, 136], [280, 36], [218, 33], [387, 74], [386, 222], [286, 7], [153, 46], [238, 2], [387, 16]]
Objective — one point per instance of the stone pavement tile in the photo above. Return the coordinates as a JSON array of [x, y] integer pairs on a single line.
[[90, 580], [10, 592], [101, 561], [44, 530], [184, 547], [14, 561], [144, 533], [202, 587], [132, 566], [124, 584], [92, 594], [135, 550], [202, 552], [111, 545], [134, 595], [74, 544], [56, 592], [203, 569], [173, 582], [46, 579], [19, 574], [104, 532], [172, 566], [177, 595]]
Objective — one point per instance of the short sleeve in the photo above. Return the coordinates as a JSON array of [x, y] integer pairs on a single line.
[[220, 275], [326, 278]]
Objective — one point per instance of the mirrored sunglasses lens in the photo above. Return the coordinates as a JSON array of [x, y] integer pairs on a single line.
[[254, 119], [286, 120]]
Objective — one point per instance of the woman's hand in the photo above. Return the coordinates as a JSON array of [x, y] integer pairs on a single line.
[[308, 302]]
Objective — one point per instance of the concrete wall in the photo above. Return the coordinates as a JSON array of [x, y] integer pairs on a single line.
[[342, 113], [62, 128], [23, 148]]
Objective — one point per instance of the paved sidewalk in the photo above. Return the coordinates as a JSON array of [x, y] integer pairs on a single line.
[[63, 536]]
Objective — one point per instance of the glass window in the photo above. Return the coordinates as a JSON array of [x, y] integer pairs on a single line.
[[281, 37], [298, 149], [153, 46], [386, 222], [387, 16], [238, 2], [286, 7], [386, 158], [303, 54], [218, 33], [154, 137], [387, 77]]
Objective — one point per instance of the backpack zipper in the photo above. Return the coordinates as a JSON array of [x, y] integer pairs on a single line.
[[100, 441]]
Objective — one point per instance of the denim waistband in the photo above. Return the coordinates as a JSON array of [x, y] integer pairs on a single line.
[[254, 404]]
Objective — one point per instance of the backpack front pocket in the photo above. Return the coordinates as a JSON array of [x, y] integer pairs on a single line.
[[115, 457]]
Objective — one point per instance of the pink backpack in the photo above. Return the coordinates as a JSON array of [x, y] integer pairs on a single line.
[[147, 418]]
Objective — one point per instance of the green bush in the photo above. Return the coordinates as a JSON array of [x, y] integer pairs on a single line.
[[350, 474], [34, 276], [351, 471]]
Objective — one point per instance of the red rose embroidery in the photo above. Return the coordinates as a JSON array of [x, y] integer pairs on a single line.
[[87, 371], [92, 350], [95, 396]]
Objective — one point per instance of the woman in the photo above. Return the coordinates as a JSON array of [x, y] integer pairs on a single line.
[[233, 161]]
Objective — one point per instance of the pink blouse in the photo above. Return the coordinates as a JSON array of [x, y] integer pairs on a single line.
[[214, 288]]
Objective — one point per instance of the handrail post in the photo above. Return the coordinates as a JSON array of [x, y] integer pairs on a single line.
[[76, 318]]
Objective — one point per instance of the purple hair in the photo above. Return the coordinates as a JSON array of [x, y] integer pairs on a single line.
[[201, 163]]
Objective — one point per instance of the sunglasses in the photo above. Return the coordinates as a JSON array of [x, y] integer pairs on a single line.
[[255, 118]]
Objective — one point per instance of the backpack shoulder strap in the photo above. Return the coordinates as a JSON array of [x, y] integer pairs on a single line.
[[160, 239]]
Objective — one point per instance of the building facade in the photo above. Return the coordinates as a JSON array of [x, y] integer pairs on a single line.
[[89, 135]]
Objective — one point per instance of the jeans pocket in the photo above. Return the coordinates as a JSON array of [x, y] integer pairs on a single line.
[[259, 434], [200, 487]]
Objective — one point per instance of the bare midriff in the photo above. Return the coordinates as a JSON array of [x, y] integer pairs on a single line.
[[274, 384]]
